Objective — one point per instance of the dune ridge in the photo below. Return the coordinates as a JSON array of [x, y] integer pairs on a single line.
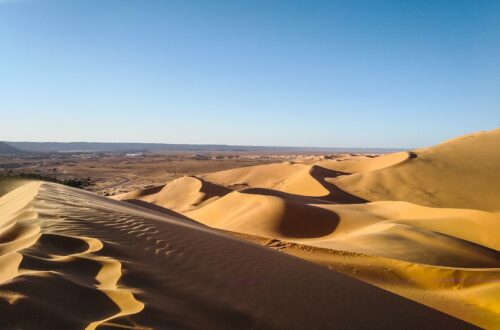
[[467, 293], [135, 268], [459, 173], [427, 217]]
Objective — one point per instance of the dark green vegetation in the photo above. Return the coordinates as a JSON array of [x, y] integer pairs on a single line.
[[10, 180]]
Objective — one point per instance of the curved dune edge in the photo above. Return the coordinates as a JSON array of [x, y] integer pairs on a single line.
[[16, 231], [293, 178], [398, 230], [359, 164], [467, 237], [21, 228], [459, 173], [179, 195], [470, 294], [139, 269], [432, 213]]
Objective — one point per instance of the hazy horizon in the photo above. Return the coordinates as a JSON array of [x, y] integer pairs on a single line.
[[327, 74], [17, 144]]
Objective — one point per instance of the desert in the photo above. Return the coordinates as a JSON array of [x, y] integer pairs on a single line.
[[283, 245], [253, 165]]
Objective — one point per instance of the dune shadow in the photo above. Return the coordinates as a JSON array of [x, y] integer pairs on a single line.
[[53, 301], [302, 199], [212, 189], [300, 219], [150, 191], [306, 221], [162, 210], [336, 194], [54, 244]]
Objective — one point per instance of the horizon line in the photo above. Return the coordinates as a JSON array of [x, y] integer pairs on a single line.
[[217, 144]]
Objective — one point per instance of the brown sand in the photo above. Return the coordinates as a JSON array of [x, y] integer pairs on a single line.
[[423, 224]]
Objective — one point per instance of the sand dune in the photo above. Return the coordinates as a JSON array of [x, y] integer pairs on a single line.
[[460, 173], [467, 293], [423, 224], [364, 163], [286, 177], [71, 259], [179, 195]]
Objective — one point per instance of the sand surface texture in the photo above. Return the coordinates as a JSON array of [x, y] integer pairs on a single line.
[[73, 260], [423, 224]]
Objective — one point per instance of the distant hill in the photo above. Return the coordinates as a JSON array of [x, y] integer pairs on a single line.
[[162, 147], [5, 148]]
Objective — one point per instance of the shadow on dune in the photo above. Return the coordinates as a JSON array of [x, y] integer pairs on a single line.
[[306, 221], [301, 220], [53, 301], [336, 194], [162, 210], [212, 189], [286, 196], [150, 191]]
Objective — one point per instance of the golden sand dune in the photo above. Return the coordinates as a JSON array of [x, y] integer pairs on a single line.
[[286, 177], [70, 259], [448, 237], [179, 195], [460, 173], [467, 293], [364, 163], [423, 224]]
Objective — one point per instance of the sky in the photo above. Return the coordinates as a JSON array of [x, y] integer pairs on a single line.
[[276, 72]]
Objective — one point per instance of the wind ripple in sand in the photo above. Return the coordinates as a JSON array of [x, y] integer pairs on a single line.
[[102, 263], [51, 263], [429, 217]]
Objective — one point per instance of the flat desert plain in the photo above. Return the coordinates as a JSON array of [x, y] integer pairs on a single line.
[[408, 240]]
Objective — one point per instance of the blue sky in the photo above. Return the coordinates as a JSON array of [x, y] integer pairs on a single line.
[[298, 73]]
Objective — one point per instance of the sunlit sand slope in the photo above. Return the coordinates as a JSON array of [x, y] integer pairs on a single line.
[[179, 195], [460, 173], [286, 177], [72, 260], [358, 164], [423, 224]]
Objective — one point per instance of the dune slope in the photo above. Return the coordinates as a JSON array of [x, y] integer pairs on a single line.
[[423, 224], [71, 259], [460, 173]]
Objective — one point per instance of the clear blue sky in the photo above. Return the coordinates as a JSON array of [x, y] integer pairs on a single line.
[[299, 73]]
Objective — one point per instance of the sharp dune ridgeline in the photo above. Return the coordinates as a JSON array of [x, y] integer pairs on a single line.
[[403, 240]]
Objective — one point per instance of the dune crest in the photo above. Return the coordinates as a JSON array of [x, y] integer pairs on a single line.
[[364, 164], [285, 177], [30, 253], [179, 195], [422, 224], [135, 268], [459, 173]]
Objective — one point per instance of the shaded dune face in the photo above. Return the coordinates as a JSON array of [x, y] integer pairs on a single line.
[[98, 263], [433, 212], [300, 221], [282, 216], [335, 194], [180, 195]]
